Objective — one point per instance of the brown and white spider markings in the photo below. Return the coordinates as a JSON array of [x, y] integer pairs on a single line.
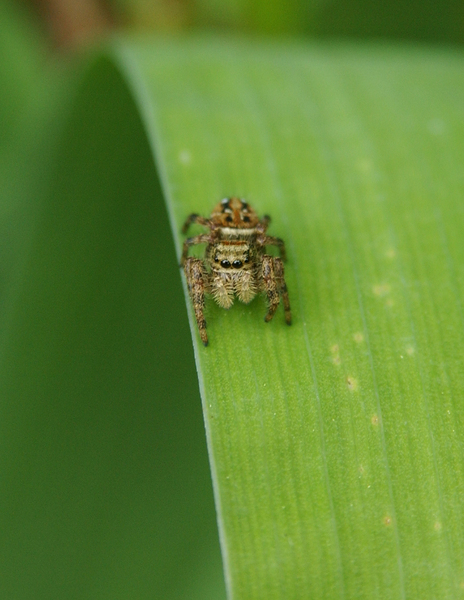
[[235, 262]]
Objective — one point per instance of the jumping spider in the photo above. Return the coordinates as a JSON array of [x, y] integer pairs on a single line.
[[235, 262]]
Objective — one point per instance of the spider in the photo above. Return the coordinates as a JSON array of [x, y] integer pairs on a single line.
[[235, 262]]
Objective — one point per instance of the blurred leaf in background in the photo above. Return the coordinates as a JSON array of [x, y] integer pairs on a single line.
[[30, 112], [414, 20], [69, 22]]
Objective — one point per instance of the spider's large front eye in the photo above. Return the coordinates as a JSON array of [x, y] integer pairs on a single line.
[[237, 264], [225, 263]]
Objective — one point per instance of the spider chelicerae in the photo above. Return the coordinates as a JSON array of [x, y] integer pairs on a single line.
[[235, 262]]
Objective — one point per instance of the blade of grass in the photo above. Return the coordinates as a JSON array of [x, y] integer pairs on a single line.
[[336, 444]]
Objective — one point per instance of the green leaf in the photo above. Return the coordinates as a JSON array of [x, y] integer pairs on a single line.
[[335, 444]]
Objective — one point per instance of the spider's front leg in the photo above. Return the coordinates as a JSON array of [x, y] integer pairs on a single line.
[[269, 240], [197, 280], [275, 287], [194, 218], [204, 238]]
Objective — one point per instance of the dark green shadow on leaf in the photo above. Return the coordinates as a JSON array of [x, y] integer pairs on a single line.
[[104, 484]]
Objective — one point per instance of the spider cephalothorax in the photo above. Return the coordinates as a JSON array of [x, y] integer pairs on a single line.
[[235, 262]]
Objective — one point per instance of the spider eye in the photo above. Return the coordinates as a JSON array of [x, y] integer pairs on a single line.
[[229, 219], [237, 264], [246, 219], [247, 259], [225, 263], [216, 259]]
